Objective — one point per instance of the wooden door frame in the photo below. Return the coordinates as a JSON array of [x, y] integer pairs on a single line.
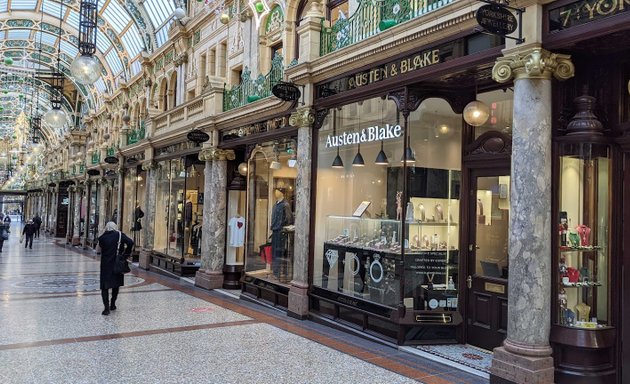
[[491, 153]]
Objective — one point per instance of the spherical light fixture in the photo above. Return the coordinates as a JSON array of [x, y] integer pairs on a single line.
[[242, 169], [55, 118], [224, 18], [476, 113], [8, 61], [86, 69], [179, 13]]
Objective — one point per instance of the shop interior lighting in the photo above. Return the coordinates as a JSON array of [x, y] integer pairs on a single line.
[[381, 158], [358, 158], [275, 163], [476, 112], [337, 162], [409, 156]]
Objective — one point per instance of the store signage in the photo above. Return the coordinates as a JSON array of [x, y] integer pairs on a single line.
[[366, 135], [585, 11], [286, 91], [382, 72], [496, 19], [197, 136], [111, 160]]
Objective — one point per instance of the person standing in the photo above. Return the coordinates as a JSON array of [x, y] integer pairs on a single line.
[[38, 223], [4, 232], [7, 219], [111, 243], [29, 232]]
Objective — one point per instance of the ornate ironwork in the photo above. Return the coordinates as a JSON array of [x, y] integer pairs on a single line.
[[250, 90], [371, 18]]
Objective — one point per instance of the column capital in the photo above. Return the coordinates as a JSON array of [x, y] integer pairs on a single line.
[[148, 165], [532, 63], [303, 117], [209, 154]]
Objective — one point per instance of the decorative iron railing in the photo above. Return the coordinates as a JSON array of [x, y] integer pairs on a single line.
[[111, 151], [371, 18], [96, 157], [136, 134], [250, 90]]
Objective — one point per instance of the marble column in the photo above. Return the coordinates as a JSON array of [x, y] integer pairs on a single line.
[[303, 118], [72, 198], [89, 184], [210, 275], [76, 228], [148, 228], [102, 218], [525, 356]]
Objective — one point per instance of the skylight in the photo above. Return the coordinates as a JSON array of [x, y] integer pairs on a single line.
[[135, 68], [52, 8], [69, 49], [102, 42], [130, 38], [114, 62], [161, 36], [23, 4], [159, 11], [117, 16], [18, 34], [73, 19], [3, 5], [47, 38]]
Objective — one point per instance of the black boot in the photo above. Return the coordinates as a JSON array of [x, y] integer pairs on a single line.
[[105, 297], [114, 297]]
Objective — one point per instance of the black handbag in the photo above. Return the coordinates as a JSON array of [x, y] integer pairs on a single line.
[[121, 265]]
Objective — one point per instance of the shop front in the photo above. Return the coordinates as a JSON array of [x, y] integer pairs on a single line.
[[178, 210], [411, 204], [261, 208], [134, 190]]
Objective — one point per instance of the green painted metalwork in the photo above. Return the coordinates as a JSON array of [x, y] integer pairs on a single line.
[[111, 151], [250, 90], [96, 158], [132, 137], [371, 18], [142, 130]]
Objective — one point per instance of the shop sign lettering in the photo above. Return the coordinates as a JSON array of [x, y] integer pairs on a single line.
[[496, 19], [585, 11], [366, 135]]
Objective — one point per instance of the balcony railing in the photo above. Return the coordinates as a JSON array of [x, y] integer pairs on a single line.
[[96, 158], [371, 18], [136, 134], [250, 90]]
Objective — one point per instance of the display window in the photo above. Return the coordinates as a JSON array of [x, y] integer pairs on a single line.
[[500, 105], [133, 209], [269, 230], [179, 208], [364, 247], [93, 214]]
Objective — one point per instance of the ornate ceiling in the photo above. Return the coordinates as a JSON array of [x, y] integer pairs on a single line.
[[35, 33]]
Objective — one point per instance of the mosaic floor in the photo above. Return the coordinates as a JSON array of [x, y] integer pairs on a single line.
[[168, 331]]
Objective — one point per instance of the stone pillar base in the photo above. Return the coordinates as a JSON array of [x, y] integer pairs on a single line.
[[298, 300], [512, 368], [144, 258], [76, 240], [209, 279]]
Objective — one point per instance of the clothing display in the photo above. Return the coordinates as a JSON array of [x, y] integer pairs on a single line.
[[281, 215], [195, 238], [188, 213], [236, 232], [137, 215]]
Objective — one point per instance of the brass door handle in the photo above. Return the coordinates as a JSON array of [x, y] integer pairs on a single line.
[[469, 281]]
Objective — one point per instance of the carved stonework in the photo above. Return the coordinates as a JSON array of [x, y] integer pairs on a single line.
[[210, 154], [148, 165], [406, 99], [320, 116], [533, 63], [303, 117], [490, 143]]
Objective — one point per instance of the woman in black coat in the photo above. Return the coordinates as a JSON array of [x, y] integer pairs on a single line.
[[107, 243]]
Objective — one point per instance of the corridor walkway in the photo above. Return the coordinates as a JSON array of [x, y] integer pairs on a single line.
[[167, 331]]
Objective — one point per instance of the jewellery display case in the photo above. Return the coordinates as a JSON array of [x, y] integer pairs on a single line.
[[583, 333]]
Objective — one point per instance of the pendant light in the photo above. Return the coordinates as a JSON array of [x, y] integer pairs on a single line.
[[409, 156], [381, 158], [56, 117], [476, 112], [337, 162], [86, 68], [358, 158]]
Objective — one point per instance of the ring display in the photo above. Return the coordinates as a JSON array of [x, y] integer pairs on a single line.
[[377, 263]]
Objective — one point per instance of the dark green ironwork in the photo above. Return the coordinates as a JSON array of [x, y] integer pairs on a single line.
[[132, 137], [111, 151], [250, 90], [371, 18], [96, 157]]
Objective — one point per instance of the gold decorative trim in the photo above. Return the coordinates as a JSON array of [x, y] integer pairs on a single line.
[[303, 117], [210, 154], [533, 63]]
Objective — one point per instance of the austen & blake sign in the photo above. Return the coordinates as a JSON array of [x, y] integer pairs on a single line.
[[583, 12], [366, 135], [379, 73]]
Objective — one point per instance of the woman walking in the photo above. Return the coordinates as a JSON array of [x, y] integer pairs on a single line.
[[109, 243]]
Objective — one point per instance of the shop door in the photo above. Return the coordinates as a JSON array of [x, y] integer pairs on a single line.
[[487, 278]]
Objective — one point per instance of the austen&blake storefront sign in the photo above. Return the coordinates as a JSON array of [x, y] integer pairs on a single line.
[[366, 135], [379, 73], [584, 11]]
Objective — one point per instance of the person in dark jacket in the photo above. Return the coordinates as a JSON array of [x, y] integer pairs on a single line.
[[108, 246], [29, 231], [38, 223], [4, 233]]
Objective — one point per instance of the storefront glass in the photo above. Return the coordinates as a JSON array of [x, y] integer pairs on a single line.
[[93, 214], [133, 209], [360, 196], [179, 208], [500, 104], [270, 211]]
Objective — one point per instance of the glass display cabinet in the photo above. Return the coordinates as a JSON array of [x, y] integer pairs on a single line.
[[583, 333]]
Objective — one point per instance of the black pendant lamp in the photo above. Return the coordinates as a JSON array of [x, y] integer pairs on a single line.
[[381, 158], [337, 162], [358, 158]]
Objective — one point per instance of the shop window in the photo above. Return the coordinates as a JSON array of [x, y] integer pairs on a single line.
[[501, 104], [134, 209], [360, 196], [179, 208], [271, 209]]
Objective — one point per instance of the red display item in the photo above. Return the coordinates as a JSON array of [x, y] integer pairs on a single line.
[[574, 275], [265, 253]]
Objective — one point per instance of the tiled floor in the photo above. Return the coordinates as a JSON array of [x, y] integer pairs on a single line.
[[168, 331]]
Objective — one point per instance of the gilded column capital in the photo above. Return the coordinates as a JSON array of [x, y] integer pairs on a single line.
[[533, 63], [148, 165], [303, 117], [209, 154]]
